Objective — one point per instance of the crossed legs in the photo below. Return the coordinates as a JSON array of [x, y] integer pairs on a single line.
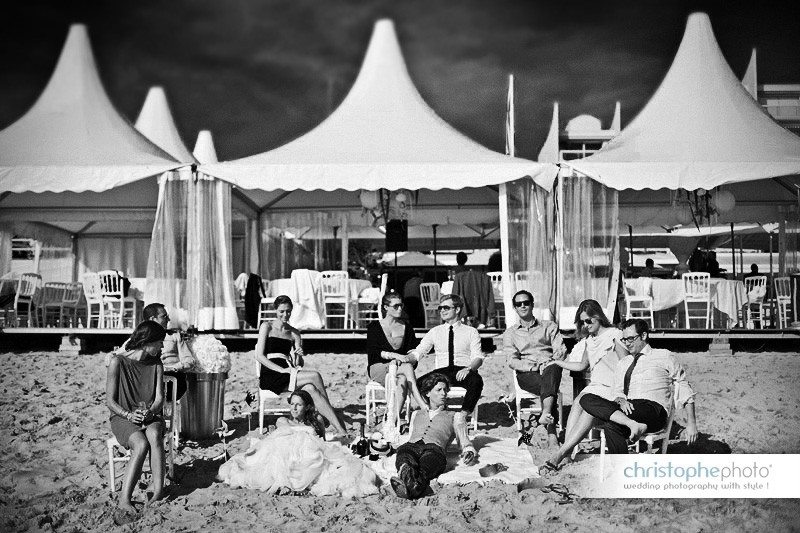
[[311, 382]]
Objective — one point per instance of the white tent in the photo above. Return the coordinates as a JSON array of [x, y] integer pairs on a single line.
[[156, 122], [701, 129], [383, 135], [73, 139]]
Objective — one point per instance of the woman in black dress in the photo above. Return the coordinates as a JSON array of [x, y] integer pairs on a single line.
[[388, 342], [280, 351]]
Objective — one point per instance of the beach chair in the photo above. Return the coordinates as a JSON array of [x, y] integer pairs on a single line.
[[756, 287], [117, 454], [336, 293], [28, 288], [783, 300], [697, 292], [266, 396], [429, 294]]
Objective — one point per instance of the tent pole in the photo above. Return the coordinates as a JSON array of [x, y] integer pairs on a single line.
[[630, 250], [505, 254], [733, 253], [741, 256], [345, 243], [435, 262], [770, 257]]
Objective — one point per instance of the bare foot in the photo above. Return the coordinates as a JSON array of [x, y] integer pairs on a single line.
[[552, 440], [546, 419], [127, 507], [637, 430]]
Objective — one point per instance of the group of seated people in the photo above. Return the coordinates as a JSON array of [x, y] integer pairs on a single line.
[[631, 386]]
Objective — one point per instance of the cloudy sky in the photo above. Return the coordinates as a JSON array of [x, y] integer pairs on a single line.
[[260, 73]]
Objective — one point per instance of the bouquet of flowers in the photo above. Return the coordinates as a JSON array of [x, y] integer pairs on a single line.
[[212, 356]]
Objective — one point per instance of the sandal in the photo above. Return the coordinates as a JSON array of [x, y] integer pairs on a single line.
[[548, 468]]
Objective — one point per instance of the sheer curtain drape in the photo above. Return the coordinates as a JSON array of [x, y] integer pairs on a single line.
[[531, 234], [189, 265], [590, 257], [301, 239]]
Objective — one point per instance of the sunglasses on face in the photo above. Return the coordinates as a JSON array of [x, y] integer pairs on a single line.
[[628, 340], [445, 308], [396, 306], [588, 321], [523, 303]]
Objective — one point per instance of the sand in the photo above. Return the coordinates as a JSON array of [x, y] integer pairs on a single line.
[[53, 461]]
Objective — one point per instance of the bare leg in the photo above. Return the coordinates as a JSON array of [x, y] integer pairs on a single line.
[[575, 413], [579, 429], [325, 408], [407, 370], [637, 428], [312, 377], [547, 411], [155, 439], [400, 392], [139, 448]]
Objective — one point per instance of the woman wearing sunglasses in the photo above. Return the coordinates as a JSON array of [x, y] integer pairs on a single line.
[[388, 342], [596, 354]]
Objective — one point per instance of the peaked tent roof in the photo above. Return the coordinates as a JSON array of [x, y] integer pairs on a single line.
[[155, 122], [204, 150], [383, 135], [73, 139], [700, 129]]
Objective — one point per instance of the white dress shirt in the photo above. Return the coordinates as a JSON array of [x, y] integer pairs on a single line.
[[466, 344], [655, 376]]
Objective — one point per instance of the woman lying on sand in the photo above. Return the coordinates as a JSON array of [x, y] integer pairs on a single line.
[[295, 458], [279, 349], [135, 396]]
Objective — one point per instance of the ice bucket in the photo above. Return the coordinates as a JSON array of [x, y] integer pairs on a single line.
[[203, 404]]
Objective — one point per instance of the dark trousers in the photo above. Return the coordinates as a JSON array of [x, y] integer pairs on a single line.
[[473, 383], [544, 385], [427, 462], [644, 411]]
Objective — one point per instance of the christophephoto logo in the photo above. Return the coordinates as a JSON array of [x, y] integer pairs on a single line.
[[753, 476]]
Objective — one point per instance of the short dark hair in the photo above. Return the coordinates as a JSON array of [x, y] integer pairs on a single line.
[[150, 311], [461, 258], [641, 325], [283, 299], [145, 333], [427, 384], [649, 263], [457, 300], [523, 291]]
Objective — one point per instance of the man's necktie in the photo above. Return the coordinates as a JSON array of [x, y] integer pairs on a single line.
[[451, 348], [627, 382]]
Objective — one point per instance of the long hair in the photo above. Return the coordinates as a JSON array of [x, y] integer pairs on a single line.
[[310, 416], [145, 333], [592, 310]]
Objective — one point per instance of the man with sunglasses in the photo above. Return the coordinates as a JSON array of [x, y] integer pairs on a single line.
[[648, 382], [457, 348], [527, 346]]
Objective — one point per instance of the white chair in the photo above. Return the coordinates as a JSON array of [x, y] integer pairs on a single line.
[[756, 287], [458, 393], [120, 309], [375, 395], [94, 298], [70, 305], [336, 293], [639, 305], [51, 303], [266, 310], [521, 281], [497, 288], [7, 314], [266, 396], [536, 407], [28, 288], [697, 292], [118, 454], [429, 294], [369, 302], [783, 300]]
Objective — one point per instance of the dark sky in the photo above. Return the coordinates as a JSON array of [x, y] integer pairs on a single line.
[[260, 73]]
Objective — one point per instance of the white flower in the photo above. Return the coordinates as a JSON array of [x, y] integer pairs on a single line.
[[211, 354]]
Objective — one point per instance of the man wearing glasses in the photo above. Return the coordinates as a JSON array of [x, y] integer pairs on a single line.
[[528, 345], [457, 348], [647, 383]]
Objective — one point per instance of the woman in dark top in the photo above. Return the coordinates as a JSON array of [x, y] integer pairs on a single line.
[[280, 351], [135, 396], [388, 342]]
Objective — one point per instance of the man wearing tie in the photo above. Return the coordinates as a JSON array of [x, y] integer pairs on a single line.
[[457, 348], [647, 382]]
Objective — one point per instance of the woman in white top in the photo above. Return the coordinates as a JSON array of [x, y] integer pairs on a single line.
[[595, 353]]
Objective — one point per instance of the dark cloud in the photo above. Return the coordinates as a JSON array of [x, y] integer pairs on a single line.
[[259, 73]]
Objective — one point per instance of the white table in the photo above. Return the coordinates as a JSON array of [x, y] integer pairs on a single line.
[[727, 296]]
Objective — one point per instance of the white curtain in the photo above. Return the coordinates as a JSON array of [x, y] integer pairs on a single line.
[[590, 221], [126, 254], [302, 239], [5, 251], [531, 234], [189, 265]]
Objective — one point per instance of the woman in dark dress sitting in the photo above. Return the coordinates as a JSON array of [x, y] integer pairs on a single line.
[[280, 351], [388, 342]]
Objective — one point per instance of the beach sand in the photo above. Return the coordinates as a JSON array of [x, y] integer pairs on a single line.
[[53, 460]]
